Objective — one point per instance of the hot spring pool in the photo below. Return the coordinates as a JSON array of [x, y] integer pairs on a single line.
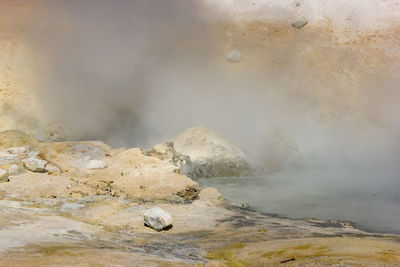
[[374, 205]]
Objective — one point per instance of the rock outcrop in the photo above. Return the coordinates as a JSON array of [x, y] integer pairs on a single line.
[[94, 169], [213, 156]]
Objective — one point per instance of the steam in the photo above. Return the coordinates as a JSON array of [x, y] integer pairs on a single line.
[[135, 73]]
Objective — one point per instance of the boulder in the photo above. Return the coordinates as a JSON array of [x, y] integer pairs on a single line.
[[213, 156], [35, 164], [3, 176], [97, 164], [158, 219]]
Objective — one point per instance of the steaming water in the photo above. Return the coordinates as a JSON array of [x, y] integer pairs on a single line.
[[318, 194]]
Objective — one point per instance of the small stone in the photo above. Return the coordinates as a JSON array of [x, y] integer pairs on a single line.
[[15, 169], [234, 56], [69, 186], [97, 164], [35, 164], [157, 218], [3, 176], [300, 23]]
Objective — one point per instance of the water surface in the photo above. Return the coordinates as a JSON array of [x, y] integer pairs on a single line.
[[369, 199]]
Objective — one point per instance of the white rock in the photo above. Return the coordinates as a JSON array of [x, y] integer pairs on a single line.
[[212, 155], [234, 56], [19, 150], [157, 218], [3, 175], [15, 169], [96, 164], [35, 164]]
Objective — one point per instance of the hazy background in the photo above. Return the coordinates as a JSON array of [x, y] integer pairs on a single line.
[[135, 73]]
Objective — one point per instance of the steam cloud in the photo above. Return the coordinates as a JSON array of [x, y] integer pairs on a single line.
[[135, 73]]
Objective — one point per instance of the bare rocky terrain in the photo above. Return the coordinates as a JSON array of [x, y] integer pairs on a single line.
[[82, 203], [74, 214]]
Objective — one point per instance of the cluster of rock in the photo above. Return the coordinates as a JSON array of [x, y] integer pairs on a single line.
[[32, 169], [15, 160]]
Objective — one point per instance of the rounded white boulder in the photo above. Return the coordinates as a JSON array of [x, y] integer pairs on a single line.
[[157, 218]]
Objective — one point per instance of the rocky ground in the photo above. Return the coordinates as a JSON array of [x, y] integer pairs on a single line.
[[82, 204]]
